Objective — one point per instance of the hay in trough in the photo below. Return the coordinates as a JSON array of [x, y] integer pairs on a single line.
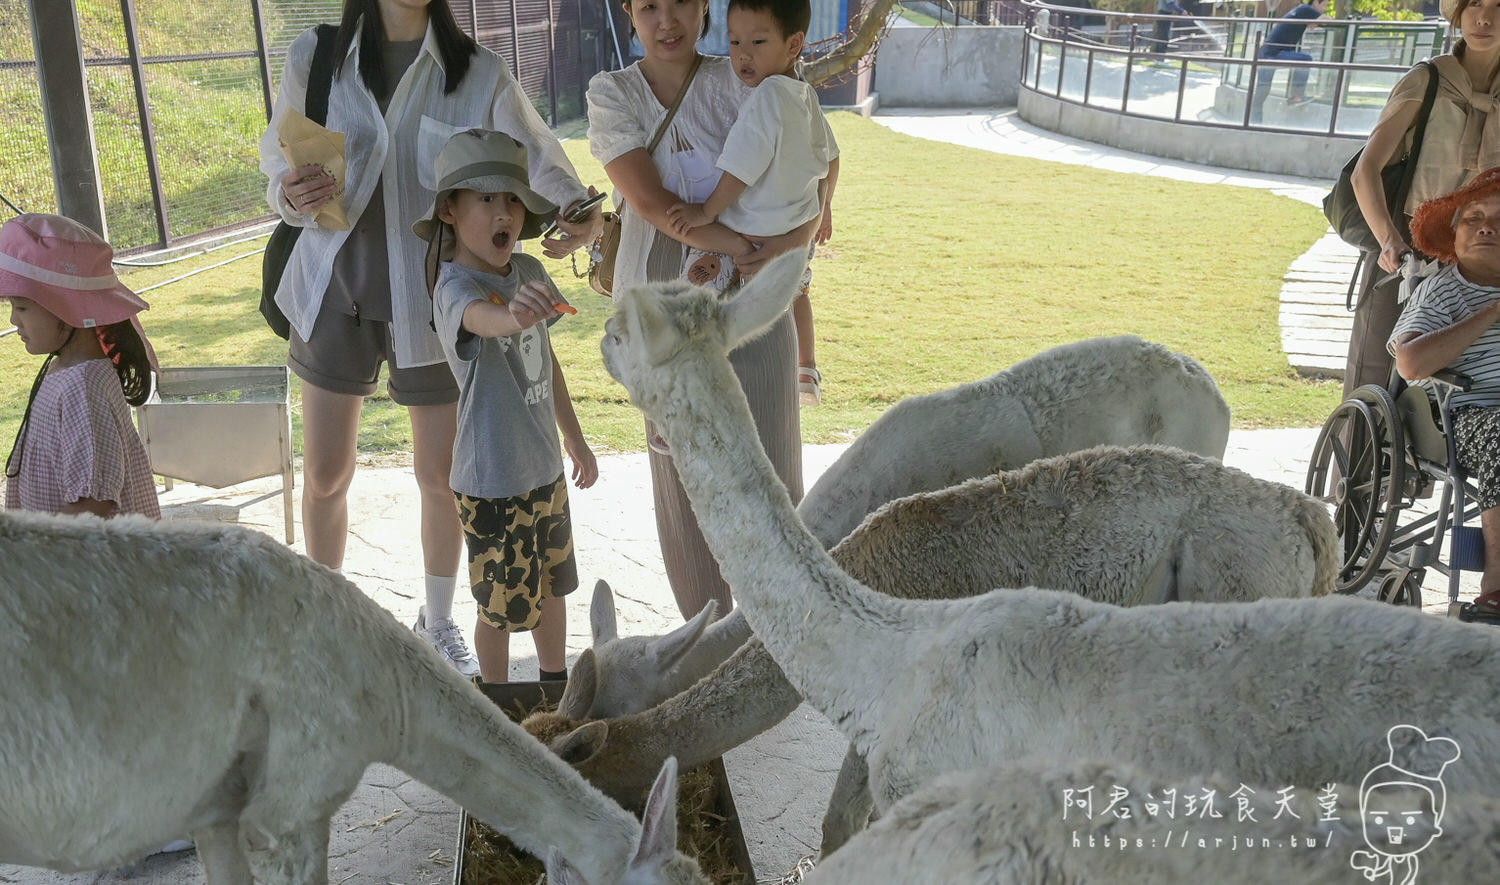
[[702, 833]]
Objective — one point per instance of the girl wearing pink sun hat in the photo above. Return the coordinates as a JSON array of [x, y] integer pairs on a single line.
[[77, 450]]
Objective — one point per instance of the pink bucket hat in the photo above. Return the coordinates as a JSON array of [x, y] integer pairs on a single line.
[[66, 268]]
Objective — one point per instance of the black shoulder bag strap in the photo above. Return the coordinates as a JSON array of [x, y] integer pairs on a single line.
[[284, 237], [1403, 189], [320, 76]]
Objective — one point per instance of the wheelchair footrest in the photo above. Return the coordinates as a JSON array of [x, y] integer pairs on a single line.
[[1468, 613]]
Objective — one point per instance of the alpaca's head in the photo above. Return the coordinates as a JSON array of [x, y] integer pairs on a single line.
[[626, 674], [656, 860], [662, 333]]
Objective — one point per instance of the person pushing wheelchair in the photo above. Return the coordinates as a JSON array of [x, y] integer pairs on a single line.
[[1453, 322]]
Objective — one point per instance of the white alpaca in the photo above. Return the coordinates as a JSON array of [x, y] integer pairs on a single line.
[[1276, 690], [1103, 391], [169, 678], [1030, 821], [1127, 390], [1127, 526]]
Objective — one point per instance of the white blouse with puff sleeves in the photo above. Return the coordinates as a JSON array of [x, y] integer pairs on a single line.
[[624, 114]]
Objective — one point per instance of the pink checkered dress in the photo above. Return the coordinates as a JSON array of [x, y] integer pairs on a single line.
[[80, 443]]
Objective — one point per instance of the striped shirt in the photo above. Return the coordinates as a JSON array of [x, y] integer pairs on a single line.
[[1442, 300]]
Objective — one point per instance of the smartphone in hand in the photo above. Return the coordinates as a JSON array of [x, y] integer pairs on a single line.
[[581, 212]]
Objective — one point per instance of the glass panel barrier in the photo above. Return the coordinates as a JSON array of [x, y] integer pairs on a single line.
[[1153, 87], [1107, 87], [1048, 80], [1075, 71], [1205, 98], [1364, 96]]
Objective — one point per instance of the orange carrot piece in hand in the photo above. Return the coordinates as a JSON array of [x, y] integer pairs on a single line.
[[565, 307]]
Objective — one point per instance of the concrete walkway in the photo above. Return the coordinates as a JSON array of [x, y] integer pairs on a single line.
[[1314, 323]]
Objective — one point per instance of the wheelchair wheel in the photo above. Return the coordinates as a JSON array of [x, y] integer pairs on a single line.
[[1357, 469], [1401, 587]]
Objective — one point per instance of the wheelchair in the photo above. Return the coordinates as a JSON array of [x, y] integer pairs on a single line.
[[1382, 450]]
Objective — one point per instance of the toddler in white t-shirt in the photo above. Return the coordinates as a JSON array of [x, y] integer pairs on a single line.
[[779, 162]]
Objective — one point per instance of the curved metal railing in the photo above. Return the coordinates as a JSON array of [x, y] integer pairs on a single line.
[[1211, 71]]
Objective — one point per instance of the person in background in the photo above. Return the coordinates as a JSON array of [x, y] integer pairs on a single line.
[[1451, 322], [1284, 43], [626, 109], [1463, 137], [1162, 28], [76, 450]]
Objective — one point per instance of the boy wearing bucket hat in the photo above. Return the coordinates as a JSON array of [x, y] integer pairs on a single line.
[[491, 309], [77, 450], [1451, 322]]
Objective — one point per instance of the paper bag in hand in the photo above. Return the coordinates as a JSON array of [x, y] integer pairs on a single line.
[[305, 143]]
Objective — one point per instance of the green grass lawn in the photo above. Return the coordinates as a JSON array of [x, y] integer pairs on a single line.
[[947, 264]]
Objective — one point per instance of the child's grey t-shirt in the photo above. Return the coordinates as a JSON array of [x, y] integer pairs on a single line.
[[507, 440]]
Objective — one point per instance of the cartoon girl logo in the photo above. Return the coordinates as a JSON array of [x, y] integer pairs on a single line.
[[1401, 804]]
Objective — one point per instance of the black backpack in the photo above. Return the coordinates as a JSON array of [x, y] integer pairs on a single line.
[[279, 247]]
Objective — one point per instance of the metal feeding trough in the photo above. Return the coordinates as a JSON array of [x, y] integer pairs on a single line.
[[219, 426], [515, 699]]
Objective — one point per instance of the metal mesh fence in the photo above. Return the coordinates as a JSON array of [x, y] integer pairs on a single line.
[[189, 165]]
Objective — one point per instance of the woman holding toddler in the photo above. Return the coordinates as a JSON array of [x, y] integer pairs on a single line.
[[658, 127]]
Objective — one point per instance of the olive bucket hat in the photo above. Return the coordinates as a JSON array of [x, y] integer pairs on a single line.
[[490, 162]]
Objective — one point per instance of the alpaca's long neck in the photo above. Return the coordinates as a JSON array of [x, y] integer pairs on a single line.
[[831, 636], [745, 696], [461, 745]]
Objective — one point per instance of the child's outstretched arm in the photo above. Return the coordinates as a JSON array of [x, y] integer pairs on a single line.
[[825, 190], [585, 466], [688, 216], [532, 303]]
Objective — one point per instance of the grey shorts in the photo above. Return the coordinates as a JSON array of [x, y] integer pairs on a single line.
[[345, 354]]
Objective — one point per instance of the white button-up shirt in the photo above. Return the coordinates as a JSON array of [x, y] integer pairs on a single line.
[[399, 150]]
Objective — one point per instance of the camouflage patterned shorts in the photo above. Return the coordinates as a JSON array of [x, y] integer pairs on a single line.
[[520, 552]]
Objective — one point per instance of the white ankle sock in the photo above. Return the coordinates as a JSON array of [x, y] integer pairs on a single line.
[[440, 597]]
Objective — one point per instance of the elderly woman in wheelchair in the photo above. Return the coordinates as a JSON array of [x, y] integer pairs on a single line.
[[1382, 448]]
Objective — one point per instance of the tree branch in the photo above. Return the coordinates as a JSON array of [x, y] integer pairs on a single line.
[[859, 45]]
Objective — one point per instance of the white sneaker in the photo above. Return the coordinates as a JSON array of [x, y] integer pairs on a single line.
[[445, 636]]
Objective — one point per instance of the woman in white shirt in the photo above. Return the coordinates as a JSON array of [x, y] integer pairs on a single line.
[[406, 78], [625, 109]]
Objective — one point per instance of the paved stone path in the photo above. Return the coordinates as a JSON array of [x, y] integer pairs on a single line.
[[1315, 324]]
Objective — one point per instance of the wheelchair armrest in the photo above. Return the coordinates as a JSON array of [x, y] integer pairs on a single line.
[[1453, 379]]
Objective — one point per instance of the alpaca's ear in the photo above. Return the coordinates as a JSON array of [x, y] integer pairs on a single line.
[[578, 697], [583, 742], [669, 649], [649, 324], [602, 614], [659, 821], [762, 300]]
